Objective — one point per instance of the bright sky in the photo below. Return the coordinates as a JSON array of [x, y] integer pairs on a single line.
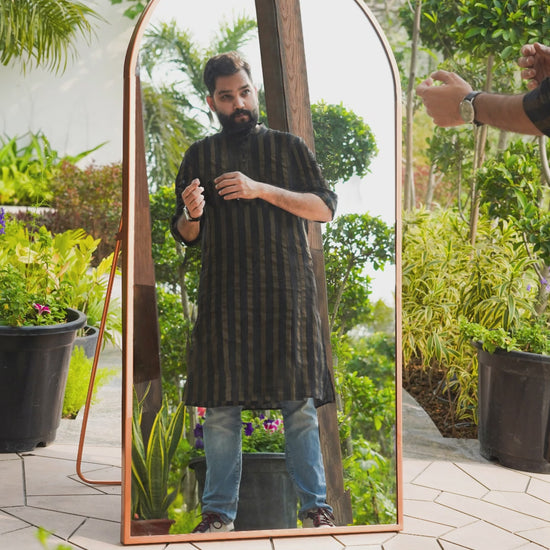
[[346, 63]]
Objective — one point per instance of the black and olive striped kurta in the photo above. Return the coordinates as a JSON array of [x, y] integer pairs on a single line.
[[536, 104], [257, 339]]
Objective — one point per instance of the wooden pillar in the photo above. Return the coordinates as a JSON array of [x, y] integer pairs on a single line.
[[146, 337], [288, 109]]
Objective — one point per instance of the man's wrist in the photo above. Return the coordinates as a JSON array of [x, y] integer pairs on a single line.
[[187, 216], [467, 108]]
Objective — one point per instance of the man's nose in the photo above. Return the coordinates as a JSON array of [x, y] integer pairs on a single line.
[[239, 103]]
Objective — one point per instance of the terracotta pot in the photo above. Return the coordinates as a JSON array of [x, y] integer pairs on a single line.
[[147, 527]]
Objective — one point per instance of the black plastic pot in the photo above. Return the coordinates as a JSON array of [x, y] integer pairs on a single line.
[[514, 409], [267, 499], [34, 363], [88, 341]]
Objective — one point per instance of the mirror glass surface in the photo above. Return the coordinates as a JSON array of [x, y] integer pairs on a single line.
[[350, 75]]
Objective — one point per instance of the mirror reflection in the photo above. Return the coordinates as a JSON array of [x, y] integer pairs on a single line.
[[354, 130]]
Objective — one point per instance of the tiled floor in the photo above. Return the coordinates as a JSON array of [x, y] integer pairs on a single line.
[[453, 498]]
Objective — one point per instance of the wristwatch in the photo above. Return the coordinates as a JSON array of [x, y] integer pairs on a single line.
[[467, 109], [188, 216]]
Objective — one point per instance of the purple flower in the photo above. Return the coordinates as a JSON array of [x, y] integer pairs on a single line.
[[198, 431], [248, 428], [199, 443], [528, 288], [2, 221], [41, 309]]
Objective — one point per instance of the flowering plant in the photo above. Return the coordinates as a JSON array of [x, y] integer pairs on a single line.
[[260, 434], [42, 274]]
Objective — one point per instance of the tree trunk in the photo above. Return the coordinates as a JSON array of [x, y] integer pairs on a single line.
[[479, 158], [409, 166]]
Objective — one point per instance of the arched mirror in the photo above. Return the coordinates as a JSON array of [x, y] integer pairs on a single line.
[[327, 75]]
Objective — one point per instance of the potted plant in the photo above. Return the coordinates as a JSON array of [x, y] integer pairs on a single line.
[[511, 329], [264, 474], [152, 495], [37, 329]]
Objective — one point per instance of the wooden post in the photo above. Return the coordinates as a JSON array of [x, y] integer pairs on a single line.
[[146, 337], [288, 109]]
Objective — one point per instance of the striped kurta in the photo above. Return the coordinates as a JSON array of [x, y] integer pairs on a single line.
[[257, 340], [536, 104]]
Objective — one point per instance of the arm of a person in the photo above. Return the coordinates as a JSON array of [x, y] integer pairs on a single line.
[[236, 185], [505, 112], [501, 111]]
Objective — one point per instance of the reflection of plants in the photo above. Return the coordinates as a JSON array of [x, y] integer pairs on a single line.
[[260, 433], [350, 243], [367, 418], [152, 494], [370, 478]]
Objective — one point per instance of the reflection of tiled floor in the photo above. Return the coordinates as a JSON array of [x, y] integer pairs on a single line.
[[453, 498]]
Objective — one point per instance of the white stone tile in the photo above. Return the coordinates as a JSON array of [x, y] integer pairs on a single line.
[[11, 483], [447, 477], [101, 535], [255, 544], [26, 539], [482, 536], [495, 477], [425, 528], [540, 489], [10, 523], [538, 536], [100, 506], [417, 492], [367, 539], [491, 513], [306, 543], [542, 477], [533, 546], [411, 542], [445, 545], [413, 467], [57, 481], [61, 525], [526, 504], [433, 511]]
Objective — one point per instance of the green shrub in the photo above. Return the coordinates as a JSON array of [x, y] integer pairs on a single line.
[[28, 166], [78, 380], [90, 199], [444, 279]]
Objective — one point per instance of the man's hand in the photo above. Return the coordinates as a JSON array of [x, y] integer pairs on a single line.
[[535, 62], [193, 198], [235, 185], [442, 101]]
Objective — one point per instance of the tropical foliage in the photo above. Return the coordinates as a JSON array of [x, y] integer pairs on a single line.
[[42, 32]]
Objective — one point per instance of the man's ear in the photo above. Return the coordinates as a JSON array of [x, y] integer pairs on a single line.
[[210, 101]]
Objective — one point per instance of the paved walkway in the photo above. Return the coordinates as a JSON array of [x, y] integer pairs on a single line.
[[453, 498]]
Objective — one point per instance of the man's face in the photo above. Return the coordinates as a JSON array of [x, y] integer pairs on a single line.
[[235, 102]]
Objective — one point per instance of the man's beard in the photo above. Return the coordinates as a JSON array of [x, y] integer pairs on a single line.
[[232, 126]]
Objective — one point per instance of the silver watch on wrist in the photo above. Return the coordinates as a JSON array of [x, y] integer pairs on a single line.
[[188, 216], [467, 109]]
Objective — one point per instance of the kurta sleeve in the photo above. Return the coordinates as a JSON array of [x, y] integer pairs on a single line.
[[313, 178], [537, 106], [183, 179]]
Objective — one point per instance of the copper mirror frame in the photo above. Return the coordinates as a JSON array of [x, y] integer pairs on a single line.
[[281, 44]]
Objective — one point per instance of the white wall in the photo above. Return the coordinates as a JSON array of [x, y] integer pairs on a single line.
[[81, 107]]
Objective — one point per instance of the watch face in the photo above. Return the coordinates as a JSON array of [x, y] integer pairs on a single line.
[[467, 111]]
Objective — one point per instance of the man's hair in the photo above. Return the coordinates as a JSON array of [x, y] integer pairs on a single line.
[[223, 64]]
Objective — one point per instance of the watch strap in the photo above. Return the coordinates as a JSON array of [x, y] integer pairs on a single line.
[[188, 216], [470, 98]]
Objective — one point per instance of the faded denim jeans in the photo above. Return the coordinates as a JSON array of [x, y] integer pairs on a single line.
[[222, 444]]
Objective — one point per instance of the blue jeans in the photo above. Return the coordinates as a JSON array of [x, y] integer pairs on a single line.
[[222, 445]]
